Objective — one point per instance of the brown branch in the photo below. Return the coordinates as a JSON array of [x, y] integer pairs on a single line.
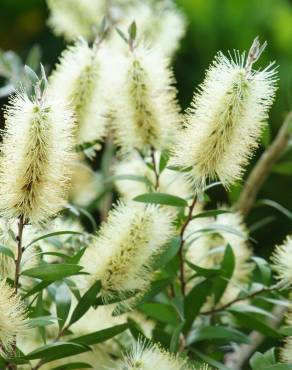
[[263, 168], [240, 299], [182, 242]]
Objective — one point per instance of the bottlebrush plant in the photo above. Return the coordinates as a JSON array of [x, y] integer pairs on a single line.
[[128, 265]]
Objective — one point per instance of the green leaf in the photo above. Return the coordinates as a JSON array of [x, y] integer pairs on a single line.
[[31, 75], [275, 205], [161, 312], [264, 268], [53, 234], [133, 31], [7, 251], [136, 331], [227, 267], [194, 302], [125, 177], [37, 288], [86, 301], [260, 361], [164, 158], [101, 335], [47, 272], [57, 350], [209, 360], [204, 272], [63, 303], [248, 320], [218, 332], [75, 365], [170, 251], [211, 213], [161, 198], [174, 343], [41, 321]]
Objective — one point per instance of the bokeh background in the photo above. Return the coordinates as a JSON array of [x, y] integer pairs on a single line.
[[212, 25]]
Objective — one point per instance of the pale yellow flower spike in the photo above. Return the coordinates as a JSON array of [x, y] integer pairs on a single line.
[[80, 80], [13, 319], [147, 113], [226, 119], [282, 260], [145, 357], [36, 158], [122, 253]]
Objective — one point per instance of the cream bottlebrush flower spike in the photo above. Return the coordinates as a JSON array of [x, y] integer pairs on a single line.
[[282, 260], [207, 250], [127, 243], [36, 158], [79, 78], [13, 319], [75, 18], [226, 119], [145, 357], [147, 113]]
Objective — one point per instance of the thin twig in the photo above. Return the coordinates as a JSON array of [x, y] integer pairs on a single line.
[[263, 168], [240, 299], [182, 242]]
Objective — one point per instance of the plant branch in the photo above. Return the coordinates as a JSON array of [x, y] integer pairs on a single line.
[[182, 242], [239, 299], [263, 168]]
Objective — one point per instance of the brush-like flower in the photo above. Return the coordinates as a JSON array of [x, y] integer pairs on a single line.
[[36, 158], [171, 182], [79, 78], [282, 260], [226, 119], [207, 250], [286, 351], [125, 247], [74, 18], [13, 319], [145, 357], [146, 110]]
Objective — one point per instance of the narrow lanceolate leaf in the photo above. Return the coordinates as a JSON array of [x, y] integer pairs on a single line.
[[57, 350], [248, 320], [63, 303], [7, 251], [86, 302], [200, 271], [47, 272], [175, 338], [161, 312], [161, 198], [42, 321], [53, 234], [168, 254], [219, 332], [101, 335], [194, 302], [227, 267], [75, 365], [211, 213]]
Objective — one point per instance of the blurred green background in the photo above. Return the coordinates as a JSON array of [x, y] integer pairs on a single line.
[[212, 25]]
